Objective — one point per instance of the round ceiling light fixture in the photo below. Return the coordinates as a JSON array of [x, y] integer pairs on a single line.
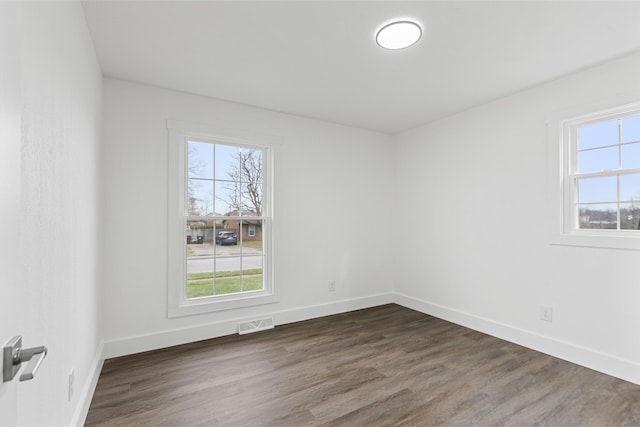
[[399, 34]]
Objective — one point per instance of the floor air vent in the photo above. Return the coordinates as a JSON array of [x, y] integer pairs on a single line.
[[255, 325]]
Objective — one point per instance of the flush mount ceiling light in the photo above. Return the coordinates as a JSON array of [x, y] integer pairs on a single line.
[[398, 34]]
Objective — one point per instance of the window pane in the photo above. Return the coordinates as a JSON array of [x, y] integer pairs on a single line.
[[251, 177], [257, 156], [200, 261], [229, 279], [228, 240], [598, 160], [231, 269], [631, 156], [200, 160], [227, 162], [252, 254], [251, 197], [252, 237], [598, 216], [598, 135], [227, 197], [631, 129], [597, 190], [630, 216], [238, 274], [630, 187], [199, 197]]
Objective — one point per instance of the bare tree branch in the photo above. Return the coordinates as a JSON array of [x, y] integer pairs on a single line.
[[245, 192]]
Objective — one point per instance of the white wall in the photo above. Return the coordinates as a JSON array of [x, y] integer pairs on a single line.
[[10, 107], [56, 85], [476, 185], [329, 215]]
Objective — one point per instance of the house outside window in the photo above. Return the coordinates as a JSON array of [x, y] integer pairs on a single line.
[[220, 220]]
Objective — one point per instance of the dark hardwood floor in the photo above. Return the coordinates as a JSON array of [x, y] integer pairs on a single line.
[[384, 366]]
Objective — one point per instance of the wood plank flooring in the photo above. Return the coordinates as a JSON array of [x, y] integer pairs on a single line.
[[384, 366]]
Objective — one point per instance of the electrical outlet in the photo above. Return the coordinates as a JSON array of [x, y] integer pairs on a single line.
[[332, 285], [72, 376], [546, 313]]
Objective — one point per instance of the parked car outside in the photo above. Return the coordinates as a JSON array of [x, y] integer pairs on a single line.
[[227, 238]]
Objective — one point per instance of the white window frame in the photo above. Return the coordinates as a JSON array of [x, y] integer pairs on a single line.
[[562, 143], [251, 230], [177, 302]]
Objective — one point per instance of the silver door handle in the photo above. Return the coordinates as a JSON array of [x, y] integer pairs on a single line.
[[14, 356], [34, 356]]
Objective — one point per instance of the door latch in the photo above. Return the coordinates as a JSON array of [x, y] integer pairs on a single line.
[[14, 356]]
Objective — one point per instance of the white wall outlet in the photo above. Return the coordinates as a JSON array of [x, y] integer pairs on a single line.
[[546, 313], [332, 285], [72, 376]]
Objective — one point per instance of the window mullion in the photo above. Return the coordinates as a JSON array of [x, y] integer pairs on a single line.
[[619, 144]]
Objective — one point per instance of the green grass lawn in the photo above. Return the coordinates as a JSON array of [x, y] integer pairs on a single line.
[[255, 244], [226, 282], [209, 275]]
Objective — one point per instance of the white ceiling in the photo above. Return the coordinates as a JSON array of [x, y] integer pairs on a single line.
[[319, 59]]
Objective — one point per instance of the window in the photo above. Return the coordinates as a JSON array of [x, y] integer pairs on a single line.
[[600, 173], [220, 221]]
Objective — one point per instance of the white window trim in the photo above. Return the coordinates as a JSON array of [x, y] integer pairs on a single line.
[[559, 126], [177, 303]]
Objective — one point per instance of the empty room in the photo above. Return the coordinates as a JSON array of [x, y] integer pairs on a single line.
[[305, 213]]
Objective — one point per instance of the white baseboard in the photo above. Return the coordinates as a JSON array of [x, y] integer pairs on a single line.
[[84, 400], [327, 309], [140, 343], [590, 358]]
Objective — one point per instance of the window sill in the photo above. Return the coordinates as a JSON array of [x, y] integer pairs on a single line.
[[212, 305], [594, 239]]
